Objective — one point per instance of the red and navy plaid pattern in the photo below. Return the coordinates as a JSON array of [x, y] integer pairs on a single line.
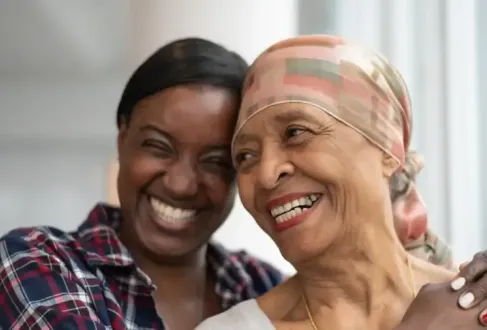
[[50, 279]]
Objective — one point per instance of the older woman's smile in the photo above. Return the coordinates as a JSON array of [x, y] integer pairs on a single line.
[[292, 209]]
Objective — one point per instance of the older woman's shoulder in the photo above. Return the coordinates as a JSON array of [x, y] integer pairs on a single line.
[[279, 302], [244, 316]]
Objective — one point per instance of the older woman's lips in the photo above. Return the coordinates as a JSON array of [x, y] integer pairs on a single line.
[[292, 209]]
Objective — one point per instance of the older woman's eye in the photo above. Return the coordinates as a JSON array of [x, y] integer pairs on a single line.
[[241, 157], [292, 131]]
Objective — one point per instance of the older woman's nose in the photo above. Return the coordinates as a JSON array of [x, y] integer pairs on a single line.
[[274, 167], [181, 179]]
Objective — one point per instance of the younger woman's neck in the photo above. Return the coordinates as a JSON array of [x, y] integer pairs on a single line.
[[365, 275], [165, 271]]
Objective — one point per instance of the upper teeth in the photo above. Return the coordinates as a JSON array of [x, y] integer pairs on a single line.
[[291, 209], [167, 212]]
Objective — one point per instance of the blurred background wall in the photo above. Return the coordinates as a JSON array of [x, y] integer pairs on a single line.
[[63, 65]]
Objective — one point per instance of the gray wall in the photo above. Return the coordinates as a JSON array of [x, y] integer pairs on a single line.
[[317, 16], [56, 140]]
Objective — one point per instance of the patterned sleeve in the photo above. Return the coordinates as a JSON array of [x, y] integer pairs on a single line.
[[37, 291], [264, 276], [431, 248]]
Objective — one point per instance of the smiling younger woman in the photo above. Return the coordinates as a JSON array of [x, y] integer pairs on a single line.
[[149, 263]]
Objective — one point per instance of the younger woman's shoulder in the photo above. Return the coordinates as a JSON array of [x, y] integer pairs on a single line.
[[257, 275]]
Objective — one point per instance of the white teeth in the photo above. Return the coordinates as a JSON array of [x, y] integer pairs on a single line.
[[169, 213], [289, 215], [290, 210]]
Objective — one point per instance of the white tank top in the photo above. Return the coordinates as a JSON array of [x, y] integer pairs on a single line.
[[244, 316]]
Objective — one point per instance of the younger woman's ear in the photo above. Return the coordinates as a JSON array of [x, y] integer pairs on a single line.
[[122, 134]]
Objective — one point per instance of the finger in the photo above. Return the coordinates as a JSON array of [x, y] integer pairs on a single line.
[[476, 268], [463, 265], [474, 293], [459, 281], [483, 314], [483, 317], [470, 271]]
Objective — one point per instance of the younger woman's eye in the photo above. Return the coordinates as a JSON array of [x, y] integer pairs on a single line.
[[219, 161], [157, 147]]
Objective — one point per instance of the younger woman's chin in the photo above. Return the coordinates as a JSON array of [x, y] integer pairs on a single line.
[[171, 251]]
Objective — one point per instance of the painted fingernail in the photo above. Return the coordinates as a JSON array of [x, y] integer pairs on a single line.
[[466, 300], [458, 283], [483, 317]]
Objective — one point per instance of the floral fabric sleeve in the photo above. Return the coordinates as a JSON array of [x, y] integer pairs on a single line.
[[411, 217], [431, 248]]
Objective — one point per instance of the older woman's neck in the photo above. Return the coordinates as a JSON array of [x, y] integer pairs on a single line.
[[367, 272]]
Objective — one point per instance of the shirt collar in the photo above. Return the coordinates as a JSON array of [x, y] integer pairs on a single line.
[[98, 237]]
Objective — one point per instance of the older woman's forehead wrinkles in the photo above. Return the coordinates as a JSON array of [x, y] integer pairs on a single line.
[[296, 114], [244, 138]]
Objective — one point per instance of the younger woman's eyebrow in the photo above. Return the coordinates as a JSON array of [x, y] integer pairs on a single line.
[[154, 129]]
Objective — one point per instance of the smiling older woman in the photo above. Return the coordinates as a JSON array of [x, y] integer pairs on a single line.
[[323, 127]]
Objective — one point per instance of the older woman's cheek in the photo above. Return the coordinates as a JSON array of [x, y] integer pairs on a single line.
[[248, 197], [340, 200]]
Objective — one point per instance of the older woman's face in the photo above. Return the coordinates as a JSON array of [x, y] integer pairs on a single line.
[[308, 179]]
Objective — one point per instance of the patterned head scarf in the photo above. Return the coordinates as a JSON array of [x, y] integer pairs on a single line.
[[354, 85], [361, 89]]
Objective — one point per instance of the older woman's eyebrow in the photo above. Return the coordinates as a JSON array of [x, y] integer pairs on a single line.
[[294, 115], [245, 138]]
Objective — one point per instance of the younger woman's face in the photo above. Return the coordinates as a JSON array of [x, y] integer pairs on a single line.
[[176, 180]]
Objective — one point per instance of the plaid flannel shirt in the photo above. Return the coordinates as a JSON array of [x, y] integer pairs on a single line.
[[50, 279]]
